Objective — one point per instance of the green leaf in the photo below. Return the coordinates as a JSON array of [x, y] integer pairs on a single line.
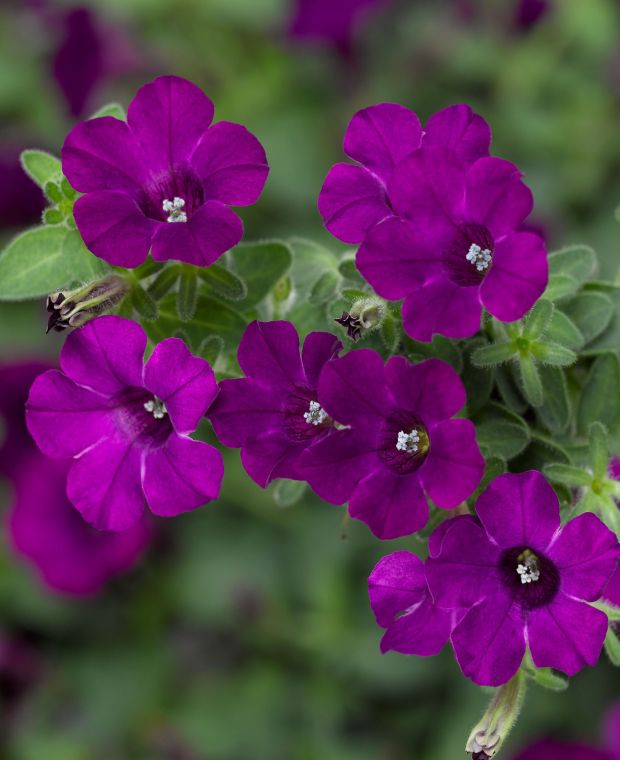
[[532, 385], [353, 294], [553, 354], [440, 348], [538, 318], [164, 282], [40, 166], [187, 294], [44, 259], [500, 432], [496, 353], [563, 331], [142, 302], [609, 338], [555, 411], [600, 399], [509, 390], [599, 450], [325, 288], [390, 333], [478, 381], [573, 477], [493, 467], [224, 283], [111, 109], [286, 493], [549, 679], [349, 271], [211, 348], [591, 312], [612, 647], [576, 261], [260, 266], [560, 286]]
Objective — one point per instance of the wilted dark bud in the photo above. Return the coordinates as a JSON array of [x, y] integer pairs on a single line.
[[73, 308], [365, 314]]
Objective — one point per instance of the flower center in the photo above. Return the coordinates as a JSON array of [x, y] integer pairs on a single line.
[[403, 442], [142, 417], [174, 209], [315, 415], [528, 569], [469, 255], [479, 257], [532, 579], [408, 441], [156, 407]]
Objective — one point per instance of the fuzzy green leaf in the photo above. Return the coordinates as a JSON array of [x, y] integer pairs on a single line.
[[530, 378], [600, 400], [576, 261], [223, 283], [164, 282], [612, 647], [553, 354], [555, 411], [111, 109], [500, 432], [538, 318], [478, 381], [591, 312], [142, 302], [490, 356], [549, 679], [286, 493], [573, 477], [564, 331], [260, 266], [187, 294], [325, 288], [599, 449], [40, 166], [560, 286]]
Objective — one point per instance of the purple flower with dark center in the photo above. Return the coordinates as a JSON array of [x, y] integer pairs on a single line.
[[397, 444], [354, 198], [273, 414], [524, 579], [163, 181], [454, 246], [127, 424]]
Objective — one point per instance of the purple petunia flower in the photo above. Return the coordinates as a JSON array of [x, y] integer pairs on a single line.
[[354, 198], [42, 525], [399, 445], [163, 181], [454, 246], [272, 414], [127, 424], [525, 580]]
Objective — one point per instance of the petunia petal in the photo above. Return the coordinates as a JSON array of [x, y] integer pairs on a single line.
[[442, 307], [352, 200], [517, 277], [435, 540], [460, 129], [104, 485], [520, 510], [431, 388], [496, 196], [566, 635], [184, 382], [352, 388], [396, 583], [168, 116], [210, 232], [102, 154], [231, 164], [334, 466], [318, 349], [269, 352], [424, 631], [397, 256], [182, 475], [106, 355], [489, 642], [612, 589], [586, 553], [454, 465], [64, 418], [382, 135], [271, 455], [391, 505], [114, 227]]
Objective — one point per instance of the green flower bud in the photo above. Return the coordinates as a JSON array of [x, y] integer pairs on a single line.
[[74, 308], [365, 314]]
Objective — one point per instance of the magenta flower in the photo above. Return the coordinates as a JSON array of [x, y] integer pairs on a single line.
[[126, 424], [399, 444], [163, 181], [523, 578], [552, 750], [272, 414], [454, 246], [354, 198]]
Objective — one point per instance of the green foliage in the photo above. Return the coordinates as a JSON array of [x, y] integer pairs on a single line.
[[41, 167]]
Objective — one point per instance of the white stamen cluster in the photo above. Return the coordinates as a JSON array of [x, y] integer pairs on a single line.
[[529, 571], [315, 414], [174, 209], [408, 441], [156, 407], [479, 257]]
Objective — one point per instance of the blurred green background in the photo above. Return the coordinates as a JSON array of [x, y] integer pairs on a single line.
[[245, 632]]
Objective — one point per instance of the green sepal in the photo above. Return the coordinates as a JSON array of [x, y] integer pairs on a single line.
[[286, 493], [491, 355], [164, 282], [548, 679], [537, 320], [187, 294], [142, 302], [612, 647], [599, 450], [41, 167], [115, 110], [573, 477], [223, 282], [553, 354], [530, 378]]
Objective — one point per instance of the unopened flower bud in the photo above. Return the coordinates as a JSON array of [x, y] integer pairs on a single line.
[[365, 314], [489, 734], [73, 308]]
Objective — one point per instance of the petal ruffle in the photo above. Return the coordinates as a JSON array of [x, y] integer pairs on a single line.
[[318, 349], [352, 200], [106, 354], [104, 485], [231, 164], [391, 505], [520, 509], [566, 635], [489, 642], [184, 382], [210, 232], [269, 352], [182, 475], [517, 277], [382, 135], [114, 227], [460, 129], [441, 307], [586, 553], [167, 117], [396, 583], [424, 631], [431, 388], [454, 465], [64, 418]]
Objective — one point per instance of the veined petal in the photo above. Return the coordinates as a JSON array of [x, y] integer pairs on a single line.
[[424, 631], [318, 349], [396, 583], [460, 129], [441, 307], [269, 352]]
